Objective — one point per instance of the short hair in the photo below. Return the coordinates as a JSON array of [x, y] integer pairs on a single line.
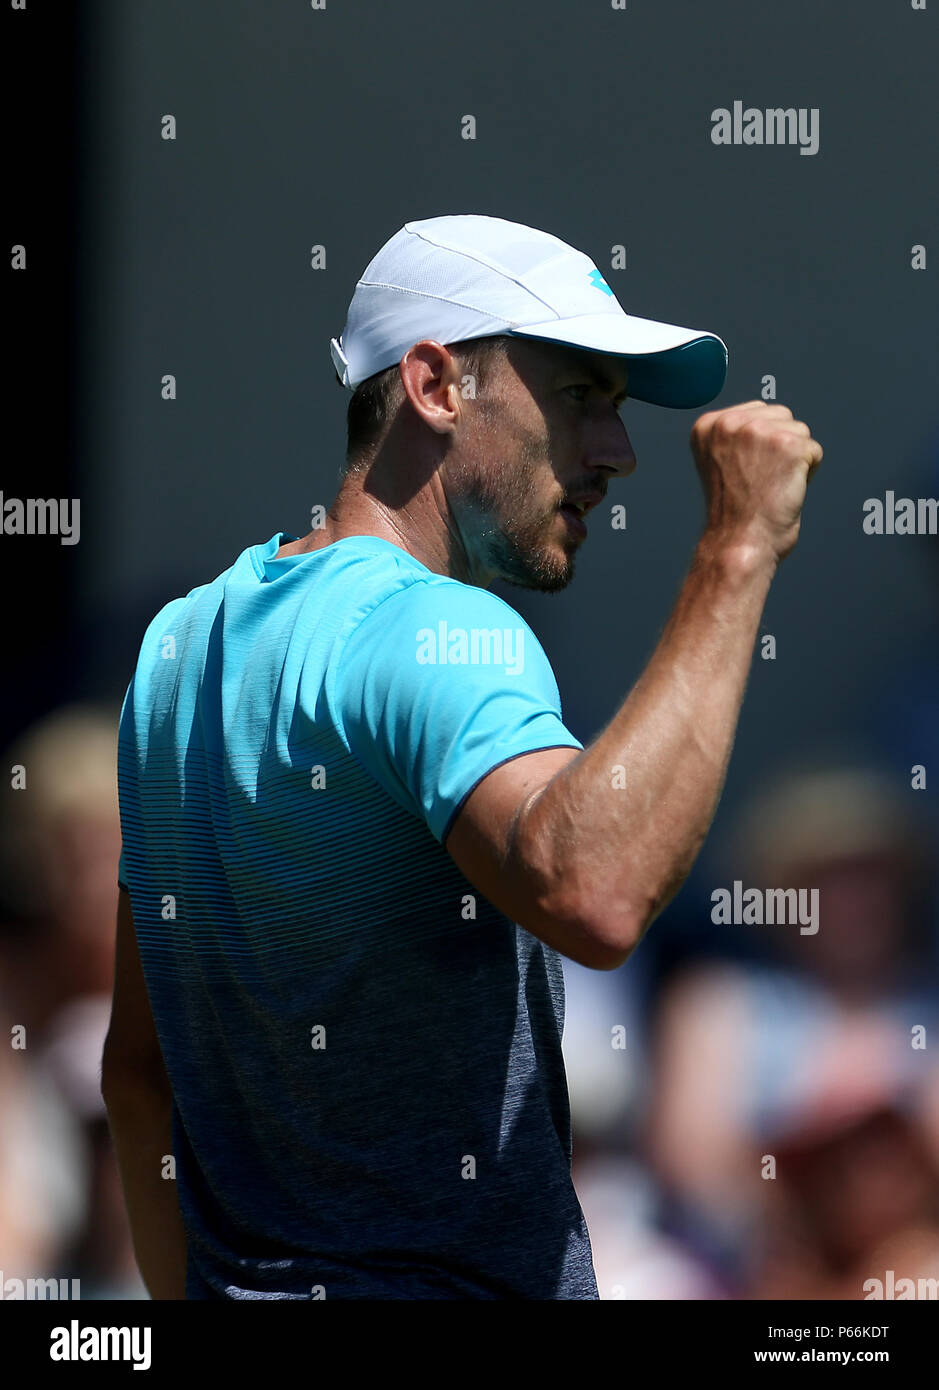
[[375, 400]]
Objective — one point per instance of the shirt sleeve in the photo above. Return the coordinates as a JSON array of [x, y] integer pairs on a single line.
[[438, 685]]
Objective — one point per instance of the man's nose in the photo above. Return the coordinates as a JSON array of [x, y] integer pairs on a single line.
[[614, 451]]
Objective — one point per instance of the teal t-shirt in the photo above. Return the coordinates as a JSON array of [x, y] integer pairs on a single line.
[[365, 1055]]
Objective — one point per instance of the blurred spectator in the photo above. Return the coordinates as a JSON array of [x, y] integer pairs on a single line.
[[738, 1048], [100, 1249], [42, 1165], [60, 838], [61, 1211], [856, 1193]]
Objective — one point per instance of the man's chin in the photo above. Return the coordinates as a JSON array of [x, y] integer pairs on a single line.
[[544, 575], [536, 558]]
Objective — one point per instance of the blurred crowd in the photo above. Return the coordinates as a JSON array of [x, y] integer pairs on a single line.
[[62, 1212], [771, 1129], [756, 1117]]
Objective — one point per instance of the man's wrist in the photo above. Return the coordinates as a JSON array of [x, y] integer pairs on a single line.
[[740, 559]]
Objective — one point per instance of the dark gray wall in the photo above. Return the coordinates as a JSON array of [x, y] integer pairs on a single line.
[[298, 126]]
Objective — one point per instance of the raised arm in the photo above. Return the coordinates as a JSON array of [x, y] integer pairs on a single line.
[[585, 856]]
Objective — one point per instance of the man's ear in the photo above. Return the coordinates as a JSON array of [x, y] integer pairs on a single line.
[[423, 370]]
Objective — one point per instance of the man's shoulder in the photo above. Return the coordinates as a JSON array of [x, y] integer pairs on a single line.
[[414, 593]]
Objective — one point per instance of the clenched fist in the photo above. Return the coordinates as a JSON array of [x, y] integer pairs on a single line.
[[754, 461]]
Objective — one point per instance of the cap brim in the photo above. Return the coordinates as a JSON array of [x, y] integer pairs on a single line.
[[668, 365]]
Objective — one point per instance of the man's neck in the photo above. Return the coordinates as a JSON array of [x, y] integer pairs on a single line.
[[418, 528]]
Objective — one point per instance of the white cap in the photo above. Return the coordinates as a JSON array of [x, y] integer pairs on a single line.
[[452, 278]]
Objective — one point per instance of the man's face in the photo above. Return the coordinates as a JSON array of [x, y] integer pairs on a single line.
[[541, 439]]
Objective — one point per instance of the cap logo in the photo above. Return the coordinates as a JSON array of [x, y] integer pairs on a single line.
[[598, 281]]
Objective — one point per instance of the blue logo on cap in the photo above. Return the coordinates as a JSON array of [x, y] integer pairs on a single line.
[[597, 279]]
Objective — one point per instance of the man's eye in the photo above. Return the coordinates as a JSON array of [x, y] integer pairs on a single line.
[[578, 387]]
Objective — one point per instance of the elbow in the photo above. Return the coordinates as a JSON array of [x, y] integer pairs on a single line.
[[597, 936], [601, 957], [613, 938], [581, 919], [616, 925], [612, 924]]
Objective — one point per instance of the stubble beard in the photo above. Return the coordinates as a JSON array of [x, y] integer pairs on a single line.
[[520, 539]]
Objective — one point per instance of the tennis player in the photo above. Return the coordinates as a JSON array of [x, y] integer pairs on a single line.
[[357, 834]]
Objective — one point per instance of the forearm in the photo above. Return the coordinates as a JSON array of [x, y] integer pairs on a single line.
[[139, 1118], [619, 844]]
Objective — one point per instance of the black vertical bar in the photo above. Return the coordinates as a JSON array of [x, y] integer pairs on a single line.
[[37, 572]]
